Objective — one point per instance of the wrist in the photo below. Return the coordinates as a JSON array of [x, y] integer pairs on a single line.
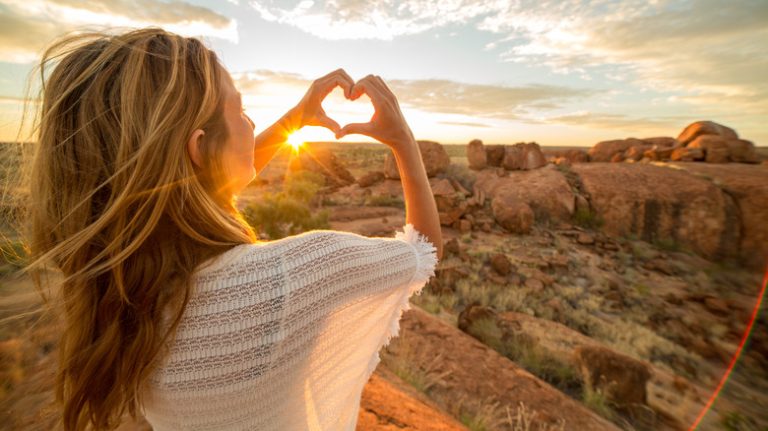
[[290, 121]]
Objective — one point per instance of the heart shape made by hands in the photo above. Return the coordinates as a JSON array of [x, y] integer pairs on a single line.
[[345, 111]]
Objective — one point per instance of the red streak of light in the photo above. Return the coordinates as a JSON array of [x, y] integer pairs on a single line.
[[735, 356]]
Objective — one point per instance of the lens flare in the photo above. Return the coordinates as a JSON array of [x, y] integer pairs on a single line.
[[295, 141]]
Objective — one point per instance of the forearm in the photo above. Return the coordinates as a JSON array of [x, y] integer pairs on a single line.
[[269, 141], [420, 206]]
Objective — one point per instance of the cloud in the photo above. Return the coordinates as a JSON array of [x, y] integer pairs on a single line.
[[430, 95], [26, 26], [491, 101], [369, 19], [697, 48], [667, 125], [463, 124]]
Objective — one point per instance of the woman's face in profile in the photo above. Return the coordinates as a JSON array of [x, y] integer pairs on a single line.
[[238, 148]]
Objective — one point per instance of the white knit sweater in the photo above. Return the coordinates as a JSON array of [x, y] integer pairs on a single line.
[[283, 335]]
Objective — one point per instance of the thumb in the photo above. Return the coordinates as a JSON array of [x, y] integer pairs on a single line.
[[355, 128]]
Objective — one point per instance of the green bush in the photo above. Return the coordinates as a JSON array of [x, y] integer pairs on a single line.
[[587, 219], [289, 212]]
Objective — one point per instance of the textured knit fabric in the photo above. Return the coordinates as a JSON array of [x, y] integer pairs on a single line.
[[283, 335]]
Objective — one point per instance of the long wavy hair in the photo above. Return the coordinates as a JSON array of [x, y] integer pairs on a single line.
[[116, 205]]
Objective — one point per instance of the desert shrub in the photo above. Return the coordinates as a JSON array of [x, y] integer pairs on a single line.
[[528, 354], [385, 201], [404, 358], [596, 401], [735, 421], [461, 173], [587, 219], [289, 212]]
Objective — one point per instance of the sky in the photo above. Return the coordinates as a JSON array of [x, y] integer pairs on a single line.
[[560, 73]]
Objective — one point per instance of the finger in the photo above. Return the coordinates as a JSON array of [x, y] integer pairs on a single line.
[[386, 91], [368, 87], [327, 122], [337, 78], [355, 128]]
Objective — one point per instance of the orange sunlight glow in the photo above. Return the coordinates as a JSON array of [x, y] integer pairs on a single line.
[[295, 140]]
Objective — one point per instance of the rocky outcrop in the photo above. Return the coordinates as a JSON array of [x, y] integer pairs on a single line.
[[605, 151], [434, 156], [675, 400], [511, 213], [387, 403], [620, 378], [568, 157], [471, 367], [520, 156], [658, 203], [476, 155], [699, 128], [748, 186], [324, 162], [545, 190], [450, 200], [699, 141], [370, 178]]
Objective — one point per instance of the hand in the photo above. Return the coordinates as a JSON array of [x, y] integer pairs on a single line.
[[387, 124], [309, 111]]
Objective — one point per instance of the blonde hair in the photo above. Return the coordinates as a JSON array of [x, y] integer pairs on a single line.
[[116, 204]]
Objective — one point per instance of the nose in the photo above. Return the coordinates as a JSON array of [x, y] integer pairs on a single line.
[[253, 125]]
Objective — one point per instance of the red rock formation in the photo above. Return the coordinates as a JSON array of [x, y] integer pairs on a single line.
[[694, 130], [658, 203], [545, 190], [434, 156], [511, 213], [476, 155]]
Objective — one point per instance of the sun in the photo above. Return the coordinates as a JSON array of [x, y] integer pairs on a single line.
[[295, 140]]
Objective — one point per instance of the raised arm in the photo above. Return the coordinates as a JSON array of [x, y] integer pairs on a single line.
[[390, 128]]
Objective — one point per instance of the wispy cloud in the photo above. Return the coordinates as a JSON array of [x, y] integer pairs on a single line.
[[28, 25], [430, 95], [464, 124], [369, 19], [699, 48]]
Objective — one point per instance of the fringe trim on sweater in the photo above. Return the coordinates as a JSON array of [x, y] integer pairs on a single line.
[[426, 254]]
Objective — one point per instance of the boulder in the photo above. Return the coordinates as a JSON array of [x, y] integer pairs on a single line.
[[523, 156], [495, 155], [324, 162], [434, 156], [545, 190], [659, 153], [655, 202], [662, 142], [604, 151], [511, 213], [694, 130], [501, 264], [742, 151], [451, 204], [686, 154], [620, 378], [715, 148], [748, 186], [636, 153], [472, 313], [370, 178], [476, 155], [469, 366], [576, 156]]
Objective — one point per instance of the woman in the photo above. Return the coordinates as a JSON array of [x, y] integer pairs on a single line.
[[172, 308]]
